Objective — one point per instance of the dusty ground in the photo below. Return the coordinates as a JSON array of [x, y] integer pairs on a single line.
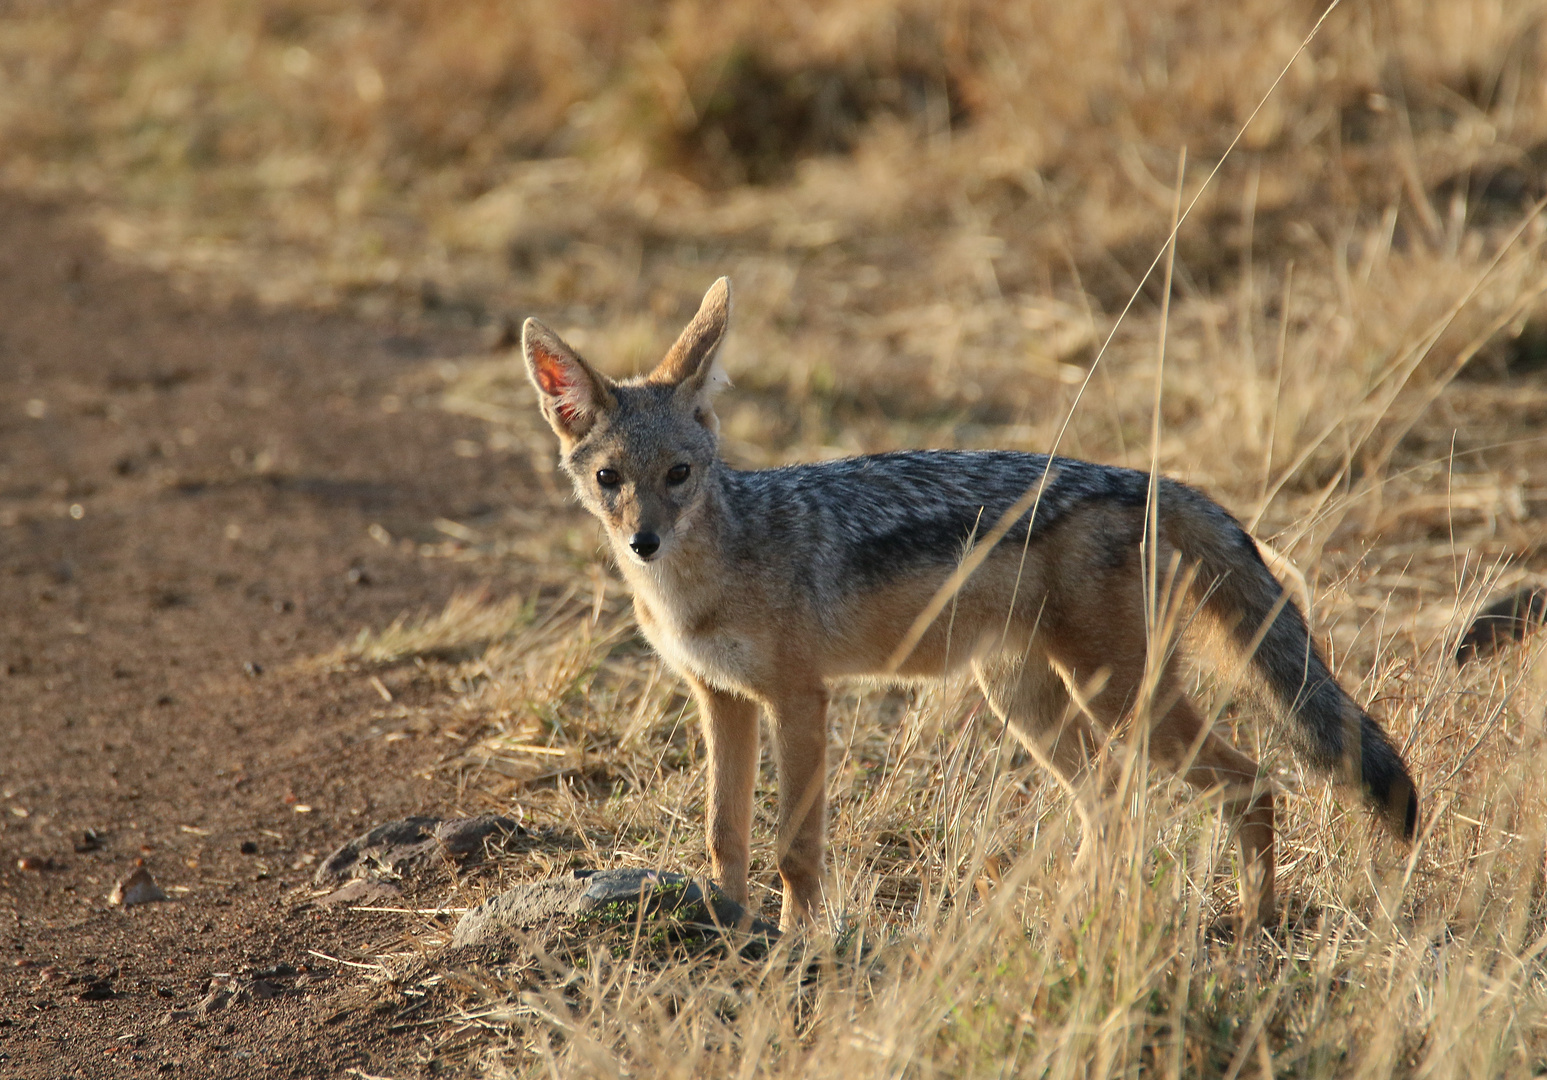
[[186, 496]]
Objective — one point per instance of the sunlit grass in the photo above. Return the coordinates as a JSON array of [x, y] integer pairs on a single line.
[[975, 927]]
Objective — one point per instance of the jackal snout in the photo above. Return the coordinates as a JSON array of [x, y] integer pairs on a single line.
[[646, 500]]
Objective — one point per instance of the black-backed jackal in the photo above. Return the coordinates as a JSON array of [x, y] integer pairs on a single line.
[[760, 587]]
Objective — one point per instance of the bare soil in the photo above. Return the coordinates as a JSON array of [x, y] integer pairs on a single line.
[[187, 490]]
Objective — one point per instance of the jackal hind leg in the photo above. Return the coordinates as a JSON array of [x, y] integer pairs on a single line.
[[730, 729], [1181, 741], [1028, 696]]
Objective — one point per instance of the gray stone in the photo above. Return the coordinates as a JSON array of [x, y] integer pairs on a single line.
[[400, 849], [258, 990], [138, 888], [606, 898], [361, 891]]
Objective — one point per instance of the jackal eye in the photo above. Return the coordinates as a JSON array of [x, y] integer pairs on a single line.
[[678, 473], [608, 478]]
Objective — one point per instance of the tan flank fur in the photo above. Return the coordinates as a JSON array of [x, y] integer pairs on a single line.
[[1048, 577]]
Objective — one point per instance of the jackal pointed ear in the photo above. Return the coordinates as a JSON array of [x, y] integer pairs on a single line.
[[571, 394], [693, 362]]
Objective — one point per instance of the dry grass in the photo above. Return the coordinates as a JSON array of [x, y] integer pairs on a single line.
[[973, 928], [934, 214]]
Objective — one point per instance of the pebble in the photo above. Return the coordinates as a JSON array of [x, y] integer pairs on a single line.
[[617, 892], [97, 990], [138, 888], [410, 846]]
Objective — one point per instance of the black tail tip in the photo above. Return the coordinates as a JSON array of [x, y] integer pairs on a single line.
[[1399, 807], [1410, 814], [1387, 784]]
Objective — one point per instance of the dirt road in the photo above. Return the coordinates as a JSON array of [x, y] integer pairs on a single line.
[[187, 491]]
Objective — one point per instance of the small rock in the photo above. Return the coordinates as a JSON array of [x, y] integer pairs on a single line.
[[97, 990], [91, 840], [607, 897], [249, 847], [404, 847], [259, 990], [218, 998], [361, 891], [34, 863], [138, 888], [1503, 622]]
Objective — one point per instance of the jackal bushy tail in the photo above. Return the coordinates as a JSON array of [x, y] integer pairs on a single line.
[[1327, 728]]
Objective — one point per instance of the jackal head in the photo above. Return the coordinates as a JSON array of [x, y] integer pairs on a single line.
[[641, 451]]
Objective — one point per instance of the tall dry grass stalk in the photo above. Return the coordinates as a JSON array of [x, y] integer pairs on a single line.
[[933, 213]]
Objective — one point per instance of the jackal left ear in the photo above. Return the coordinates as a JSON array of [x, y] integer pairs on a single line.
[[693, 365], [571, 394]]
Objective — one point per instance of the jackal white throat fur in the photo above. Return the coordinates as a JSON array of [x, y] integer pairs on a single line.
[[761, 587]]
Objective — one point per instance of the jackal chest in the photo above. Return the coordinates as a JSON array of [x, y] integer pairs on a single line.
[[701, 644]]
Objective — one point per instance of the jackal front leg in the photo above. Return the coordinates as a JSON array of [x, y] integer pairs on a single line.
[[800, 728], [730, 728]]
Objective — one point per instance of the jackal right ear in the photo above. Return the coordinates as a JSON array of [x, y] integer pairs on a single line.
[[693, 360], [570, 393]]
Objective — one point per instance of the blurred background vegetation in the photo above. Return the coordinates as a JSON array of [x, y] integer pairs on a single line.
[[933, 210]]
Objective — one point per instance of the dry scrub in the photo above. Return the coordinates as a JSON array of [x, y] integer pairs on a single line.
[[933, 213]]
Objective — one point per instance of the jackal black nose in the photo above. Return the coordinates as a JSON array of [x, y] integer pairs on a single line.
[[644, 544]]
